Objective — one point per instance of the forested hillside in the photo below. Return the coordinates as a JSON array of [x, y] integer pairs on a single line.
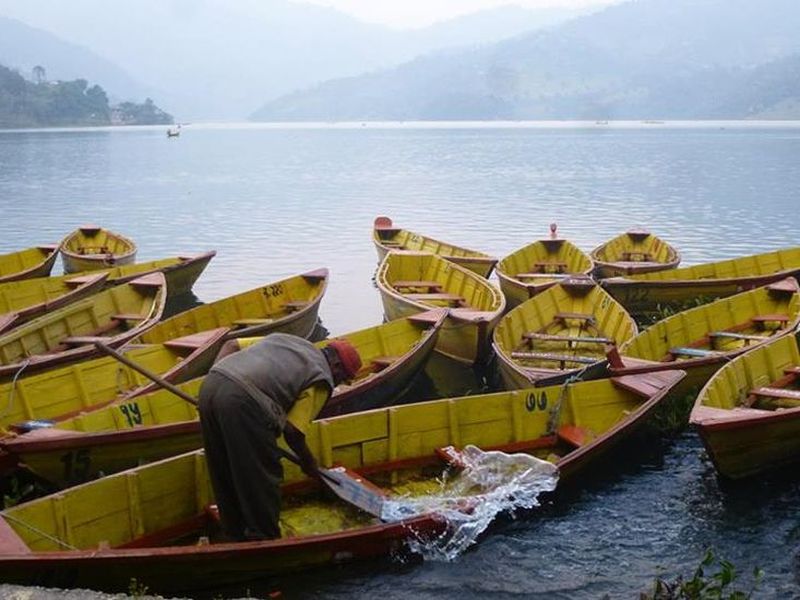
[[43, 103]]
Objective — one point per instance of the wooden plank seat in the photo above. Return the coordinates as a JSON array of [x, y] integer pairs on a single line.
[[574, 435], [795, 370], [129, 317], [295, 305], [550, 356], [714, 335], [542, 275], [437, 297], [771, 392], [776, 397], [692, 352], [762, 320], [564, 316], [433, 286], [543, 267], [567, 338], [379, 363], [637, 256], [251, 322], [82, 340]]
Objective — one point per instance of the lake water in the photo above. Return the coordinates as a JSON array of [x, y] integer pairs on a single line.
[[279, 200]]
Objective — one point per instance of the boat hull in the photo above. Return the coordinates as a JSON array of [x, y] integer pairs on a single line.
[[30, 298], [745, 439], [89, 248], [465, 336], [538, 266], [571, 322], [287, 306], [122, 525], [387, 238], [152, 424], [652, 294], [703, 339], [114, 316], [632, 253], [28, 264]]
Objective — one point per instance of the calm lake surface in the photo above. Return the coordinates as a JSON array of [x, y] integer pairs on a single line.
[[275, 201]]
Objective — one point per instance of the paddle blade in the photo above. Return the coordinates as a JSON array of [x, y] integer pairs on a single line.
[[351, 488]]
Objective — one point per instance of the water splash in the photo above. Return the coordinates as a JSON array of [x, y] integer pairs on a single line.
[[490, 483]]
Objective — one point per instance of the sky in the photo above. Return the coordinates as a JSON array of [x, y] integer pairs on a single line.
[[418, 13]]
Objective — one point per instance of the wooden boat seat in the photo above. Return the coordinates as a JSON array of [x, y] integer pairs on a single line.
[[692, 352], [637, 256], [543, 267], [379, 363], [392, 243], [438, 297], [637, 263], [735, 336], [574, 435], [295, 305], [795, 370], [251, 322], [433, 286], [771, 392], [542, 275], [762, 320], [567, 338], [564, 316], [777, 397], [550, 356], [639, 384], [83, 340], [129, 317]]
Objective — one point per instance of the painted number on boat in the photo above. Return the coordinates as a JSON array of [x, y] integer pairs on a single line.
[[132, 413], [273, 291], [76, 465], [536, 401]]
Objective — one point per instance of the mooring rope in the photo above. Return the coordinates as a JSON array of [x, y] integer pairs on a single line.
[[38, 531], [10, 404]]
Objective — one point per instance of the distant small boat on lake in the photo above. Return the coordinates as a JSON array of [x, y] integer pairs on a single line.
[[174, 131]]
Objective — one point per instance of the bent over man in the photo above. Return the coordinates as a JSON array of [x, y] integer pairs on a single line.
[[251, 396]]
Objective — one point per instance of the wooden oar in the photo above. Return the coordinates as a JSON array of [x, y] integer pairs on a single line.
[[344, 483]]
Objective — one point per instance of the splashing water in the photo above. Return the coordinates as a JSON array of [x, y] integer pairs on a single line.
[[490, 483]]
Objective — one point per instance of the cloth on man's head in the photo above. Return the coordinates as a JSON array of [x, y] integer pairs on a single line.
[[348, 357]]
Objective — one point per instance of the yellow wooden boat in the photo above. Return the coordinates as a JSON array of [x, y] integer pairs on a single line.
[[24, 264], [156, 522], [701, 340], [91, 247], [633, 252], [562, 330], [650, 294], [387, 237], [540, 265], [748, 414], [158, 424], [114, 316], [31, 400], [287, 306], [414, 282], [21, 301], [180, 272]]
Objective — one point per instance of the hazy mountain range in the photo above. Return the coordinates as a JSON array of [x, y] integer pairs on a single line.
[[640, 59], [222, 59]]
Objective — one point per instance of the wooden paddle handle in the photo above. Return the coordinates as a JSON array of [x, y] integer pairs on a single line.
[[146, 372]]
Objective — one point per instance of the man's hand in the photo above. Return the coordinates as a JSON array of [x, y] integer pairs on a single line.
[[297, 442]]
